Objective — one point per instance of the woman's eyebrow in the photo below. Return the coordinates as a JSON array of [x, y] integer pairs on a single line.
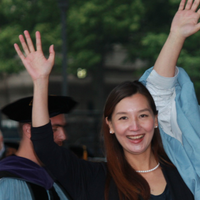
[[143, 110]]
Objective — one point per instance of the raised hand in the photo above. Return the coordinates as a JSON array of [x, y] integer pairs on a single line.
[[34, 60], [185, 22]]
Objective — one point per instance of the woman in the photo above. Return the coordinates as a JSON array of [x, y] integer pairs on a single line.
[[145, 168], [134, 145]]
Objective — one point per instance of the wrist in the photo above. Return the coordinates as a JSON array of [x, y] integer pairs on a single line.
[[41, 82], [176, 38]]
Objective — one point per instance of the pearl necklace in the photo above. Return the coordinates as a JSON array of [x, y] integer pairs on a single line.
[[150, 170]]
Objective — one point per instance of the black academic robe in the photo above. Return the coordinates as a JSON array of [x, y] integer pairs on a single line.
[[86, 180]]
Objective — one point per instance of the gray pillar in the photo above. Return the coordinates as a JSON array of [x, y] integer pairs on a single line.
[[63, 8]]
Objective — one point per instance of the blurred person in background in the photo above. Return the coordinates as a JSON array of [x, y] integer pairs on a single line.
[[22, 175], [21, 111]]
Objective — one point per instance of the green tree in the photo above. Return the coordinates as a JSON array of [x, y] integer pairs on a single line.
[[94, 27], [17, 16]]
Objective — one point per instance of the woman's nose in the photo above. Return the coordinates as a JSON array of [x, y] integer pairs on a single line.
[[134, 125]]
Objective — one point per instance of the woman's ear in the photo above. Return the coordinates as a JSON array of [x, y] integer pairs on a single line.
[[156, 121], [109, 123], [27, 130]]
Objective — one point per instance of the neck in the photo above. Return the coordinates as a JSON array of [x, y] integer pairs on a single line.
[[143, 161], [26, 150]]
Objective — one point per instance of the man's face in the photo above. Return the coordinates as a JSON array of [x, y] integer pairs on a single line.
[[58, 125]]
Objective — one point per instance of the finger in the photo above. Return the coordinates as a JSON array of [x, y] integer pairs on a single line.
[[38, 41], [182, 5], [20, 54], [198, 12], [195, 5], [51, 54], [23, 43], [29, 41], [188, 5], [197, 27]]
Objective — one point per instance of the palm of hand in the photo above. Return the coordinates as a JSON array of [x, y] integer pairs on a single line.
[[185, 23], [37, 65], [34, 61]]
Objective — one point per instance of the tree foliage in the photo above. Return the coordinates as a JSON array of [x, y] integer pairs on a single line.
[[93, 28], [17, 16]]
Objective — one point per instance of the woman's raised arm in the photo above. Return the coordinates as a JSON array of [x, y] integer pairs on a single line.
[[39, 69], [184, 24]]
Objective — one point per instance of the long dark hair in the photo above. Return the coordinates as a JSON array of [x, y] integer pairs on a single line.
[[131, 185]]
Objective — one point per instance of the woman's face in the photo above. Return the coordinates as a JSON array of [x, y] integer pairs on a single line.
[[133, 123]]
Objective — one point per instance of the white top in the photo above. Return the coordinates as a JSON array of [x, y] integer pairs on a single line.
[[163, 91]]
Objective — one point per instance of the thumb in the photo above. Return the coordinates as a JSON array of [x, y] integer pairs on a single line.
[[197, 27], [51, 54]]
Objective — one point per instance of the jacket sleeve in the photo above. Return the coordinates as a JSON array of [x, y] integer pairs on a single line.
[[180, 136]]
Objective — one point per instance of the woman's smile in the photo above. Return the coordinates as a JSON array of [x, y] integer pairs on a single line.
[[136, 138]]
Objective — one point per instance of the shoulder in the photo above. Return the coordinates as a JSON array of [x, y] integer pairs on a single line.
[[8, 182], [11, 187], [170, 171], [171, 174], [177, 186]]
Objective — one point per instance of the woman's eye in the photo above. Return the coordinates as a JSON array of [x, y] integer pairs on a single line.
[[143, 115], [122, 118]]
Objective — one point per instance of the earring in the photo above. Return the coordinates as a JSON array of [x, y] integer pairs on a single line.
[[156, 126], [110, 132]]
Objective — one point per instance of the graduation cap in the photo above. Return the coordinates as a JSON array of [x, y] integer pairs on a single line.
[[21, 110]]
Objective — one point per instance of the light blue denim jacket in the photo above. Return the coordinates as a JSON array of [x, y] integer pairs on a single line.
[[179, 124]]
